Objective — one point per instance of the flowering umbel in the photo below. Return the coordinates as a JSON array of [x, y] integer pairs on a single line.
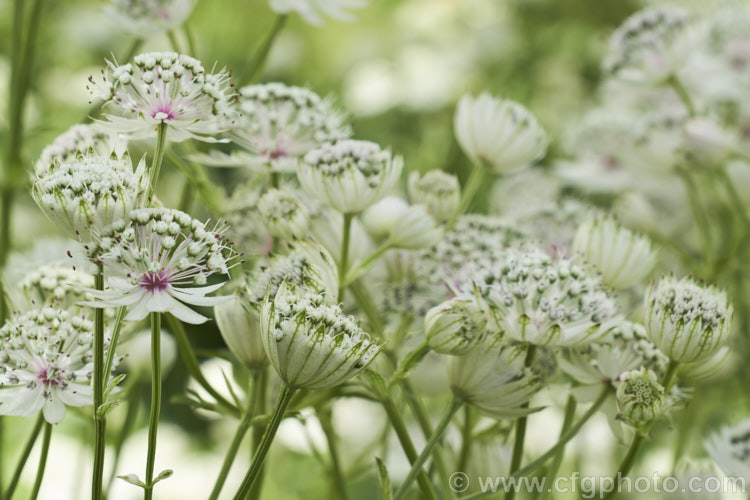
[[438, 191], [158, 261], [498, 133], [549, 301], [283, 214], [349, 175], [89, 191], [165, 88], [687, 322], [81, 140], [45, 363], [454, 326], [313, 345], [144, 18]]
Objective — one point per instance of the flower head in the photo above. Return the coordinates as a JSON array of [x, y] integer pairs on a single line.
[[349, 175], [158, 261], [493, 377], [436, 190], [498, 133], [145, 18], [313, 10], [646, 48], [88, 192], [239, 325], [730, 449], [312, 345], [686, 321], [166, 88], [55, 286], [81, 140], [278, 125], [284, 216], [45, 363], [548, 301], [453, 326], [640, 396], [622, 257]]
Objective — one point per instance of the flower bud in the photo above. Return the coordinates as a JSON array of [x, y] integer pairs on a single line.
[[453, 326], [239, 325], [640, 397], [498, 133], [686, 321], [622, 257], [349, 175], [381, 217], [283, 215], [407, 227], [438, 191]]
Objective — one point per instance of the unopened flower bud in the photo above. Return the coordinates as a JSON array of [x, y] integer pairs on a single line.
[[453, 326], [640, 397], [283, 214], [240, 327], [438, 191], [381, 217]]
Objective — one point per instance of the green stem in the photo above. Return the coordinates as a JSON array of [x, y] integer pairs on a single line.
[[133, 404], [42, 461], [355, 273], [339, 483], [367, 307], [422, 458], [258, 430], [627, 462], [520, 435], [570, 413], [699, 215], [190, 40], [265, 444], [469, 191], [24, 457], [153, 420], [466, 439], [264, 50], [682, 93], [606, 391], [161, 142], [100, 421], [173, 41], [669, 375], [397, 422], [734, 198], [239, 435], [193, 367], [344, 257], [111, 351]]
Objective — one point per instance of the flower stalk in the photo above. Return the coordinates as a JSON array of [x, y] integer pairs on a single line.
[[153, 421], [24, 457], [42, 461], [100, 422]]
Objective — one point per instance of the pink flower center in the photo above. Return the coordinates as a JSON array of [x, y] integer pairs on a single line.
[[154, 282], [164, 112], [46, 381]]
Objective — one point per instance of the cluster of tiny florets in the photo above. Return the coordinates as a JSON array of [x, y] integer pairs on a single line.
[[364, 156], [55, 285], [684, 301], [80, 140]]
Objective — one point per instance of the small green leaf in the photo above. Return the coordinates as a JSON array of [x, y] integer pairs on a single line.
[[133, 479], [385, 480]]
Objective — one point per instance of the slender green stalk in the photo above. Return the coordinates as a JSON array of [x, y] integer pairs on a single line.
[[190, 40], [669, 375], [42, 461], [520, 436], [606, 391], [394, 416], [466, 439], [469, 191], [153, 421], [699, 215], [109, 361], [682, 93], [627, 462], [239, 435], [259, 61], [161, 143], [337, 473], [191, 362], [265, 444], [734, 198], [100, 421], [24, 457], [344, 257], [367, 306], [355, 273], [570, 413], [173, 41], [427, 451], [258, 431], [132, 403]]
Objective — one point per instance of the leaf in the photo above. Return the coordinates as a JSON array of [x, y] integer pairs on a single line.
[[166, 473], [105, 408], [133, 479], [385, 480], [409, 363], [113, 383], [377, 383]]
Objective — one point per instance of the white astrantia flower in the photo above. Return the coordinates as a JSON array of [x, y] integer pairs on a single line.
[[455, 325], [89, 191], [239, 325], [81, 140], [543, 300], [647, 48], [55, 286], [349, 175], [283, 214], [146, 18], [499, 134], [45, 363], [307, 268], [165, 88], [314, 11], [438, 191], [687, 321], [493, 377], [640, 396], [313, 345], [158, 261], [730, 449], [622, 257], [277, 126]]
